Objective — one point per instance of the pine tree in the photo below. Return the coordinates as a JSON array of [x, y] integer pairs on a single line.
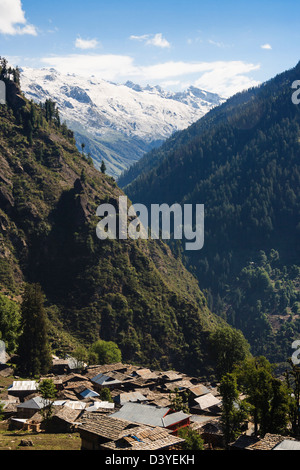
[[48, 391], [34, 351], [103, 167], [233, 413]]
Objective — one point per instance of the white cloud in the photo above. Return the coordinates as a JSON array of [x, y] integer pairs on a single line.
[[216, 43], [159, 41], [86, 43], [12, 19], [225, 78], [171, 83], [144, 37], [152, 40], [106, 66], [266, 46]]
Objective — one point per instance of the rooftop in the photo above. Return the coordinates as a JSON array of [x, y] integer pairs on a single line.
[[20, 385], [149, 414]]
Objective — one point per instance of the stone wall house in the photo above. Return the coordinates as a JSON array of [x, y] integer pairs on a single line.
[[64, 420], [28, 408], [106, 433]]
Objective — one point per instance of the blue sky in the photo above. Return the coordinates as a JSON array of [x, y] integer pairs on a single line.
[[218, 45]]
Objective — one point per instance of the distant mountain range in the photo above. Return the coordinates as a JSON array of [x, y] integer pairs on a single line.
[[117, 123]]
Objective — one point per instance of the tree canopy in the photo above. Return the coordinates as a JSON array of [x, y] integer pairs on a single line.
[[107, 352], [34, 351]]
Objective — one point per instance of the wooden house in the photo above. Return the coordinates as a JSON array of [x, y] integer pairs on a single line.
[[107, 433], [27, 409], [64, 420], [22, 388]]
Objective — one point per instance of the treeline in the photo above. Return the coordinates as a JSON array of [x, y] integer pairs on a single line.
[[9, 73], [251, 392], [264, 302], [25, 329], [31, 116]]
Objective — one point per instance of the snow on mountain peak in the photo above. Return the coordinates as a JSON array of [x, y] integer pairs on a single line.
[[105, 114]]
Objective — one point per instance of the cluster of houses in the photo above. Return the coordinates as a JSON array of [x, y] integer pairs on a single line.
[[139, 414]]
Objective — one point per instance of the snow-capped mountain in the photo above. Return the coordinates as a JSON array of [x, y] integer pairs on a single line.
[[117, 123]]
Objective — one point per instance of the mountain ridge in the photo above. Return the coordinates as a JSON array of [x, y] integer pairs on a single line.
[[116, 122]]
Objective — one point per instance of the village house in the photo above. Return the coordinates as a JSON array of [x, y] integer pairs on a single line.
[[207, 403], [155, 397], [28, 408], [198, 391], [153, 416], [112, 380], [22, 388], [126, 369], [100, 406], [107, 433], [210, 431], [122, 398], [9, 407], [145, 438], [268, 442], [60, 366], [88, 393], [64, 420], [145, 374]]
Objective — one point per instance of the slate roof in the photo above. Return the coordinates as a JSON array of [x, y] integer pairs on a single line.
[[156, 397], [125, 435], [144, 438], [199, 390], [182, 384], [102, 425], [107, 368], [145, 374], [271, 441], [171, 375], [66, 414]]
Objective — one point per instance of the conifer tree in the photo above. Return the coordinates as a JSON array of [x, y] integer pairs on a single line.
[[34, 351], [103, 167]]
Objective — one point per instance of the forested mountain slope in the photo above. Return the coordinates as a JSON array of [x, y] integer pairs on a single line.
[[135, 293], [242, 162]]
